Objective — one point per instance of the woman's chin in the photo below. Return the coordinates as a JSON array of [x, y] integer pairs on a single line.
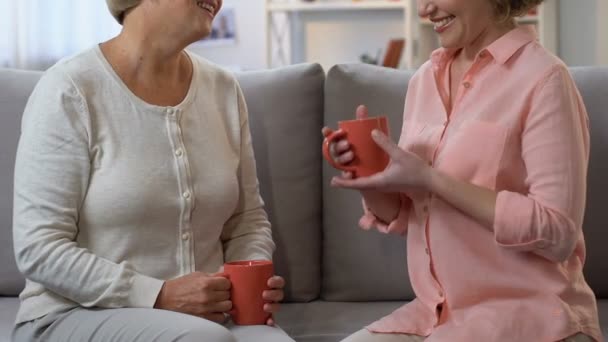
[[447, 43], [202, 34]]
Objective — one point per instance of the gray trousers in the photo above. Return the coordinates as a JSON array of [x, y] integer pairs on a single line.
[[138, 325]]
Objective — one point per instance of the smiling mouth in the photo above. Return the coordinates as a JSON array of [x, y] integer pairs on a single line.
[[207, 7], [443, 23]]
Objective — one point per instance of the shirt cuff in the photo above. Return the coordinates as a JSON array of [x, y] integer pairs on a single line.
[[513, 219], [397, 226], [144, 291]]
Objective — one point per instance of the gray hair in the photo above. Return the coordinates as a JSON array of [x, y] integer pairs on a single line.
[[119, 7]]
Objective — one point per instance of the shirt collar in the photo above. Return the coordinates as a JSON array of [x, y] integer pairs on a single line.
[[501, 49]]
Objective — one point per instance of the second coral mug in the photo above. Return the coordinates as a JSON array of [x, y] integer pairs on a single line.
[[249, 280]]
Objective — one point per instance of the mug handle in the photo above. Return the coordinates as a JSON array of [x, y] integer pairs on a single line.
[[224, 274], [330, 139]]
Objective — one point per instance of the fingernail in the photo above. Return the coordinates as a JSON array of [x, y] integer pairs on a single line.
[[376, 133]]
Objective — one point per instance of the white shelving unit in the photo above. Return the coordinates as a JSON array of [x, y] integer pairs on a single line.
[[419, 34], [280, 17]]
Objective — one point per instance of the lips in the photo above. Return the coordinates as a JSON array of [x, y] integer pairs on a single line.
[[442, 23], [207, 5]]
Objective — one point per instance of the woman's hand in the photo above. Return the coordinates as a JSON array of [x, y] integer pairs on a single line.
[[273, 296], [406, 171], [197, 294], [341, 151]]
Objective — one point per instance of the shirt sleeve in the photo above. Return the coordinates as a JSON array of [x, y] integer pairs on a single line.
[[547, 220], [52, 171], [398, 226], [247, 234]]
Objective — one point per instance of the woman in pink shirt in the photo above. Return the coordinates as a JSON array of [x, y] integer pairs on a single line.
[[488, 182]]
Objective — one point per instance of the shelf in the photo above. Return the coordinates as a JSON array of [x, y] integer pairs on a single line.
[[337, 6]]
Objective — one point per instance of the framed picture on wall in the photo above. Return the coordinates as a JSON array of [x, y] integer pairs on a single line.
[[223, 31]]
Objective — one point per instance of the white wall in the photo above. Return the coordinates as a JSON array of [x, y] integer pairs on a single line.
[[602, 32], [578, 31], [249, 52]]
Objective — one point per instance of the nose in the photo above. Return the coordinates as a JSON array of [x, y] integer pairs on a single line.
[[425, 8]]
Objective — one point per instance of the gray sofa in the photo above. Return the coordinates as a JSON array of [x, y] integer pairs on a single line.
[[340, 278]]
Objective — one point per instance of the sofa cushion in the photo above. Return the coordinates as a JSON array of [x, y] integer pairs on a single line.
[[592, 82], [322, 321], [360, 265], [8, 312], [286, 113], [16, 88]]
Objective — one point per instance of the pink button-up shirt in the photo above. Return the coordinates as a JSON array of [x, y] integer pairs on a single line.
[[518, 126]]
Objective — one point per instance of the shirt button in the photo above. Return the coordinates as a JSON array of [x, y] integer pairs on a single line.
[[185, 236], [170, 111], [179, 152], [186, 195], [467, 85], [425, 209], [426, 250], [441, 294]]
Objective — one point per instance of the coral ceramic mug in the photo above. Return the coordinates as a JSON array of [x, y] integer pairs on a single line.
[[249, 280], [369, 157]]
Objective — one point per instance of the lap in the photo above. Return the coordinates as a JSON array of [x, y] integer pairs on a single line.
[[254, 333], [365, 336], [136, 325]]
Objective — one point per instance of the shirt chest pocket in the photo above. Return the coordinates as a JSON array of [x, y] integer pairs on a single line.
[[473, 151]]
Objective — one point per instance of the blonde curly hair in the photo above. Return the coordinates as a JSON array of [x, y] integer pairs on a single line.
[[509, 9]]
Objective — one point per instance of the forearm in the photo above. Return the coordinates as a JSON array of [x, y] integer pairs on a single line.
[[385, 206], [78, 275], [475, 201]]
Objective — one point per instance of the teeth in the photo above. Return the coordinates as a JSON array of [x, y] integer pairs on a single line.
[[444, 22], [206, 6]]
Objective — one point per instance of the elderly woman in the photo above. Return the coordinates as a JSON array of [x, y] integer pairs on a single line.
[[135, 181], [488, 183]]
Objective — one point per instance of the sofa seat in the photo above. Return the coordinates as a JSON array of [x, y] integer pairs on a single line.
[[322, 321], [8, 311]]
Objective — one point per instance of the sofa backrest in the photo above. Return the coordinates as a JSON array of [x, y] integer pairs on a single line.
[[286, 113], [15, 88], [360, 265], [592, 83]]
